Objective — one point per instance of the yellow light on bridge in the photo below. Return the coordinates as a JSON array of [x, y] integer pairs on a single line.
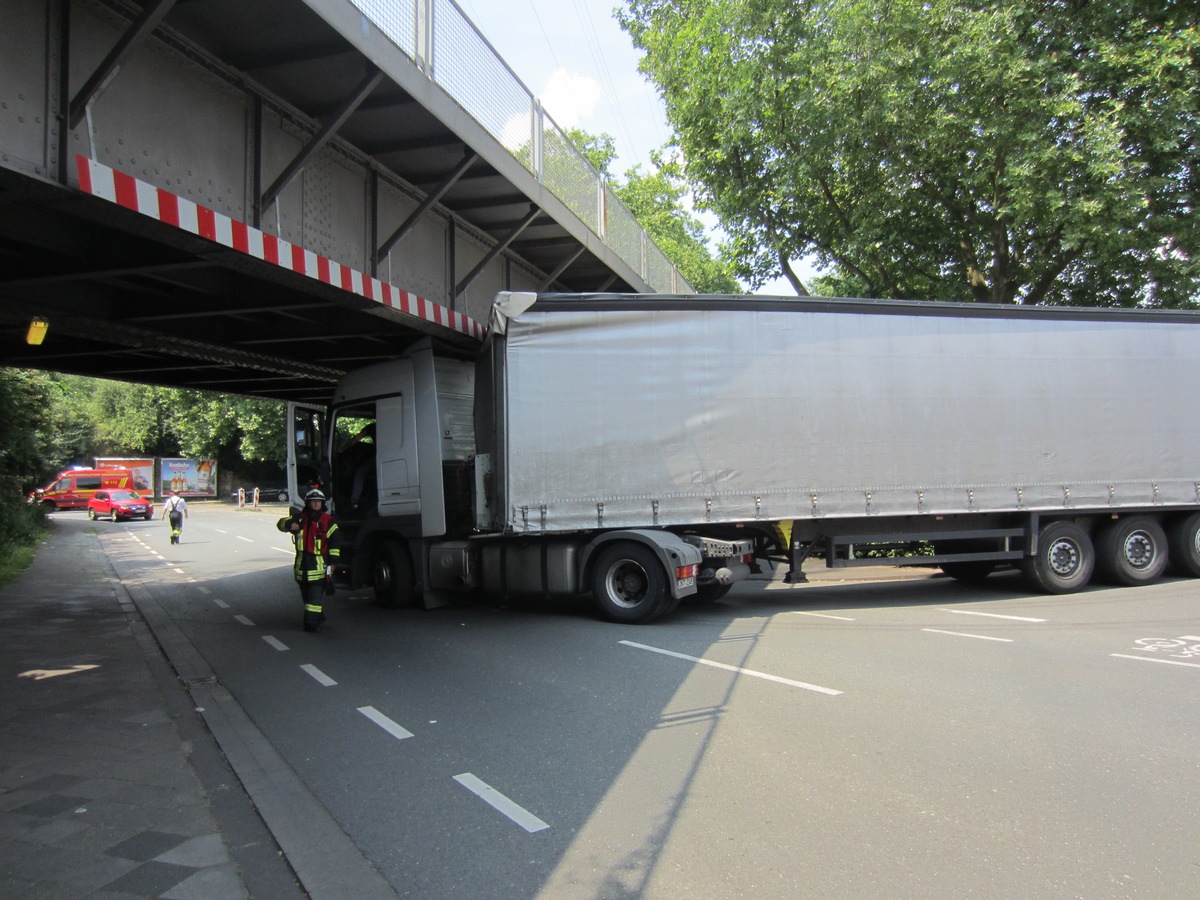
[[37, 331]]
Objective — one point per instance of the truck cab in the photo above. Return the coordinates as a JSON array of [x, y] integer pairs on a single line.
[[394, 453]]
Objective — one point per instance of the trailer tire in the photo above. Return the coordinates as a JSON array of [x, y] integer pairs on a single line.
[[1131, 551], [710, 593], [1183, 545], [1065, 559], [629, 584], [392, 575]]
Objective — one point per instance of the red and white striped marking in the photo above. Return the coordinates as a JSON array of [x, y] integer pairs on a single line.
[[101, 181]]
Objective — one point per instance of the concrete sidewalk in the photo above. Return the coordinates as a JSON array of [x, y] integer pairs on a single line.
[[111, 785]]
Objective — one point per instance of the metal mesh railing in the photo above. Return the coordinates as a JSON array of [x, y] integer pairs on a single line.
[[444, 43]]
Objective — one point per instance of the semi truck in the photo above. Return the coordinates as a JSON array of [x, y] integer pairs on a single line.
[[648, 449]]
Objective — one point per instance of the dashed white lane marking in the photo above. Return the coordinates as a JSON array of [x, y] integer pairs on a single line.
[[243, 620], [180, 571], [319, 676], [498, 801], [978, 637], [277, 644], [220, 603], [219, 531], [204, 590], [738, 669], [399, 732], [971, 612], [1169, 662], [246, 539], [822, 615], [284, 550]]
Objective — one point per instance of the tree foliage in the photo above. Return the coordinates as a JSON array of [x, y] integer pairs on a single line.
[[53, 421], [658, 200], [1030, 152]]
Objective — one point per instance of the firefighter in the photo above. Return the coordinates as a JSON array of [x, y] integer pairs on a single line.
[[315, 535]]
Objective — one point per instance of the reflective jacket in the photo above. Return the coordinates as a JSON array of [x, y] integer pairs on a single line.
[[316, 544]]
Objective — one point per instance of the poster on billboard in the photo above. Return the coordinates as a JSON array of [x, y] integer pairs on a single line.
[[189, 477], [141, 467]]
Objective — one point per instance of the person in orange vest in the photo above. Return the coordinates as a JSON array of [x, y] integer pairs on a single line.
[[314, 532]]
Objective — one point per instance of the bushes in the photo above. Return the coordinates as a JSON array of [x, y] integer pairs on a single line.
[[22, 526]]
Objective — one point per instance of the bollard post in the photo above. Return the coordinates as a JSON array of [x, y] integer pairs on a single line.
[[241, 498], [256, 498]]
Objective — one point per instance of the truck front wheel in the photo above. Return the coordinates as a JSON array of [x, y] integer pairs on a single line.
[[1064, 560], [629, 584], [392, 575], [1131, 551], [1184, 543]]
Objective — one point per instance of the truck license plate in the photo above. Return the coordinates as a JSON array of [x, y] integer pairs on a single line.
[[685, 582]]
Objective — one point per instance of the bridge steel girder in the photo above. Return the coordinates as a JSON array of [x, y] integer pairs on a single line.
[[201, 100]]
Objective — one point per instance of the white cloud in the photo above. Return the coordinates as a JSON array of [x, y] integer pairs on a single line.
[[570, 98]]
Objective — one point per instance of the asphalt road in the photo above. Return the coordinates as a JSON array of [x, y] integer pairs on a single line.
[[909, 738]]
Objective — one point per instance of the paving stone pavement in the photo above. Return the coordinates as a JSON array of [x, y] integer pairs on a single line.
[[110, 784]]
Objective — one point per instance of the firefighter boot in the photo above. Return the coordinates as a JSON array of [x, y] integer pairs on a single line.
[[314, 615]]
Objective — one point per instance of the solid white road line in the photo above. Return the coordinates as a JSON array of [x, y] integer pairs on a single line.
[[821, 615], [399, 732], [498, 801], [318, 675], [277, 644], [971, 612], [1169, 662], [738, 669], [243, 620], [978, 637]]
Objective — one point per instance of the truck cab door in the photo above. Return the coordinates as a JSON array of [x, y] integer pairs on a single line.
[[306, 462]]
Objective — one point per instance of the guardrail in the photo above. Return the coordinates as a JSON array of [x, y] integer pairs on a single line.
[[445, 44]]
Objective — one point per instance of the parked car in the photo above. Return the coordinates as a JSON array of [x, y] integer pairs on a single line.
[[119, 505], [265, 494]]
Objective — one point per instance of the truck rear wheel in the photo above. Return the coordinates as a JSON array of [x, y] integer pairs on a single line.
[[392, 575], [1183, 542], [629, 584], [1064, 561], [1131, 551]]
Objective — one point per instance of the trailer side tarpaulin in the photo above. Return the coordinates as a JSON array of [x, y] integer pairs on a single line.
[[682, 412]]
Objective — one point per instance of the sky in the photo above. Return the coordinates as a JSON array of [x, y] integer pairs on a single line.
[[583, 67]]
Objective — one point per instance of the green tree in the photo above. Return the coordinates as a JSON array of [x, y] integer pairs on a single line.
[[657, 200], [1033, 152]]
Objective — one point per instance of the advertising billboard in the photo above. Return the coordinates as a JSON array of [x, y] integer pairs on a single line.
[[189, 477]]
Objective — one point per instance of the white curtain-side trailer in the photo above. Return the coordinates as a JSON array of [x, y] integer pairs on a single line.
[[651, 448]]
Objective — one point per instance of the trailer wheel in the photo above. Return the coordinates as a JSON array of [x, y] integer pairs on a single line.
[[710, 593], [1131, 551], [392, 575], [629, 584], [1183, 543], [1065, 559]]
